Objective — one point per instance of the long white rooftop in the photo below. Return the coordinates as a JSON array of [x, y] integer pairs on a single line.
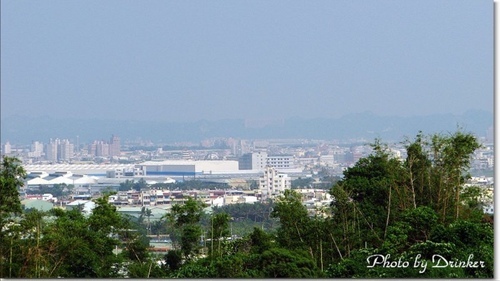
[[74, 167]]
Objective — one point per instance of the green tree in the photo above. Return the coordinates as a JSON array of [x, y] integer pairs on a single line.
[[458, 154], [260, 241], [173, 260], [294, 221], [218, 231], [473, 199], [469, 237], [284, 263], [126, 186], [30, 259], [200, 268], [418, 166], [146, 212], [12, 175], [185, 229], [415, 226], [438, 166], [394, 207], [368, 198], [302, 183], [140, 185], [451, 158], [149, 269], [71, 244], [82, 247]]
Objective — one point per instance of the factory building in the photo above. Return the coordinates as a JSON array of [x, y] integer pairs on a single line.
[[253, 161], [188, 167], [148, 169], [260, 160]]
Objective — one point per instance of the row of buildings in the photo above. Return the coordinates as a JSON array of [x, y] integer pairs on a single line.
[[63, 150], [271, 181]]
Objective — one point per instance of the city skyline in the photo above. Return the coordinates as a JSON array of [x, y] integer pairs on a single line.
[[187, 61], [364, 125]]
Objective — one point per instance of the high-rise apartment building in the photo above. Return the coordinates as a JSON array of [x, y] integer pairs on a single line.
[[7, 148], [58, 150], [105, 149], [65, 150], [102, 148], [36, 149], [114, 146], [51, 150], [92, 148]]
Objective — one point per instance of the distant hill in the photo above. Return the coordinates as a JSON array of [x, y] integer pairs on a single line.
[[24, 130]]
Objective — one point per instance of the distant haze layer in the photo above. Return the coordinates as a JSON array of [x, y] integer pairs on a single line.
[[24, 130], [183, 61]]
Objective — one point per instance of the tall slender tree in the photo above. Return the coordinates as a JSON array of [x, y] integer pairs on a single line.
[[12, 175], [184, 221], [217, 232]]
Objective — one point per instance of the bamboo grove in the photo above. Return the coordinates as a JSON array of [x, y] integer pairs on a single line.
[[383, 206]]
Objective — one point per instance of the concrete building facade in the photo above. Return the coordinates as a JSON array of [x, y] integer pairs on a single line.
[[64, 150], [51, 150], [260, 160], [36, 149], [281, 161], [114, 146], [272, 183], [253, 161]]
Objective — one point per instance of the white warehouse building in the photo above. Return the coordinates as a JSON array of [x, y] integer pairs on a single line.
[[148, 168], [188, 167], [98, 170]]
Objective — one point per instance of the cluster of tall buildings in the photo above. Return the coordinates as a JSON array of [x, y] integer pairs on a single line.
[[59, 150], [63, 150], [105, 149]]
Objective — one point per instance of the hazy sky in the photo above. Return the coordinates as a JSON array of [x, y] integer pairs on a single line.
[[192, 60]]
